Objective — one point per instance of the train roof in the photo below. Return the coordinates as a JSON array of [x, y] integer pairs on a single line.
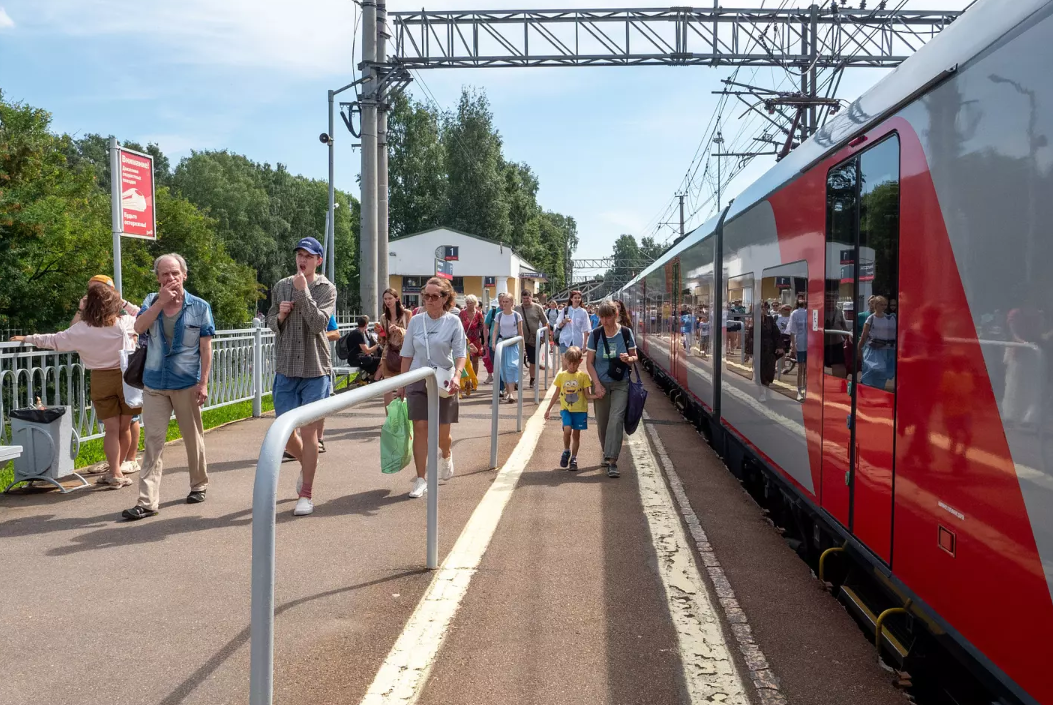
[[982, 25]]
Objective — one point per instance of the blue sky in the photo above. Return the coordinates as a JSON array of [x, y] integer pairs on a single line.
[[609, 145]]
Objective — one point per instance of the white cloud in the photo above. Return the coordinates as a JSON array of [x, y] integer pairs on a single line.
[[5, 20]]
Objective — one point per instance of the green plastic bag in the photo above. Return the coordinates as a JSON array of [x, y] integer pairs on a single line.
[[396, 438]]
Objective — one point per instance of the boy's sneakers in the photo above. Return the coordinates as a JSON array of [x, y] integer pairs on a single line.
[[612, 470], [574, 464], [564, 459]]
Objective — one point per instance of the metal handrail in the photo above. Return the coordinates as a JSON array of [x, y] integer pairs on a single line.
[[265, 502], [542, 336], [496, 410]]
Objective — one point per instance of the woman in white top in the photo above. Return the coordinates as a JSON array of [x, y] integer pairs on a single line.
[[434, 338], [878, 345], [574, 324], [99, 338], [508, 323]]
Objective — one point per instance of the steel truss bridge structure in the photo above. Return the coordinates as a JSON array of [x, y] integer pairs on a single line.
[[806, 41]]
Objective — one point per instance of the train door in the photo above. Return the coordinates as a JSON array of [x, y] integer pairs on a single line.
[[859, 390]]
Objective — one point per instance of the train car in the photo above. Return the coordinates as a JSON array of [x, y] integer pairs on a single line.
[[924, 451]]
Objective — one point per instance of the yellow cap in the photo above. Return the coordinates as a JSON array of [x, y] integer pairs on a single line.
[[102, 279]]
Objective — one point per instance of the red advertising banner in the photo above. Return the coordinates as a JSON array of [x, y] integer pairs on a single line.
[[137, 195]]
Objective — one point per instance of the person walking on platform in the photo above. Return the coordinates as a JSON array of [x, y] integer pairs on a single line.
[[300, 309], [611, 353], [99, 335], [179, 329], [574, 325], [434, 339], [573, 394], [392, 329], [534, 319], [508, 323]]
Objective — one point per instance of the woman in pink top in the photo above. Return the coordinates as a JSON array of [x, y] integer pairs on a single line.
[[99, 338]]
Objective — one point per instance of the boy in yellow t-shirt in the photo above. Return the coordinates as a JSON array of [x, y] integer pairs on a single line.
[[574, 395]]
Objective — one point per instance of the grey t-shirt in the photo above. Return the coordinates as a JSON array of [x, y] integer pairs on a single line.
[[445, 337], [168, 323], [616, 344]]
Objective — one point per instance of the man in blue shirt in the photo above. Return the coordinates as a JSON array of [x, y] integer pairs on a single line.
[[179, 329]]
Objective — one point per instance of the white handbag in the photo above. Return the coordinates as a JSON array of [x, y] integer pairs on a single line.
[[443, 376]]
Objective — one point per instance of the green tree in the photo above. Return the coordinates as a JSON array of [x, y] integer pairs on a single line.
[[476, 190], [416, 169], [520, 193], [54, 223], [650, 250]]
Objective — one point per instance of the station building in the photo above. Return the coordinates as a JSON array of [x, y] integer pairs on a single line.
[[477, 266]]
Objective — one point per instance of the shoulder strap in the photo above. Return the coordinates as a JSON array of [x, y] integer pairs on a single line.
[[626, 338]]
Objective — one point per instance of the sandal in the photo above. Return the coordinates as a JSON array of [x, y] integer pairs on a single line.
[[111, 481]]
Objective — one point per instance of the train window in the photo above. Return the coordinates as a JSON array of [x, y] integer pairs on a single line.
[[784, 290], [878, 285], [738, 325], [842, 211]]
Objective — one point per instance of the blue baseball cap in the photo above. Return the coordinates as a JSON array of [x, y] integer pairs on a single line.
[[311, 245]]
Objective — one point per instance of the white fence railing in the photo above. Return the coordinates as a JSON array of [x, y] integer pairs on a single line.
[[59, 379]]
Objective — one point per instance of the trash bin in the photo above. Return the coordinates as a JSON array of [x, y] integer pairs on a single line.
[[49, 446]]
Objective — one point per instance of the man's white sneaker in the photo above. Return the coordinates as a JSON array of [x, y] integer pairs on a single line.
[[445, 467], [420, 486], [304, 507]]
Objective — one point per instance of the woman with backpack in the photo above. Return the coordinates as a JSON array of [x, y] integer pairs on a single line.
[[508, 323], [611, 354]]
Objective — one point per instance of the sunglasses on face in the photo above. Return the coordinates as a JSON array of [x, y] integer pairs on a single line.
[[434, 297]]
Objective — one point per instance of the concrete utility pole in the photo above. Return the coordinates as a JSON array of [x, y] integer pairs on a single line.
[[368, 236], [383, 34], [719, 141]]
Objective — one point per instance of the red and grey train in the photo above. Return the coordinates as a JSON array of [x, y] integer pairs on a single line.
[[925, 450]]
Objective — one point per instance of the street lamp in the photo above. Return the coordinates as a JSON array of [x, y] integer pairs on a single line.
[[326, 138]]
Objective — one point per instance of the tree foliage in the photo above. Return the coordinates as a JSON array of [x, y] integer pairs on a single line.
[[449, 170]]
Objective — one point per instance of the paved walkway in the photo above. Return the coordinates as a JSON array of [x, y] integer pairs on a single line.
[[582, 593]]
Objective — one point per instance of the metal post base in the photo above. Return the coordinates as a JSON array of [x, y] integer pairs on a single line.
[[38, 478]]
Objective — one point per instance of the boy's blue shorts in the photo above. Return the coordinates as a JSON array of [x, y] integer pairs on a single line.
[[577, 420]]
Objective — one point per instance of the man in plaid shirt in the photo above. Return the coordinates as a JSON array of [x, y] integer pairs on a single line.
[[301, 306]]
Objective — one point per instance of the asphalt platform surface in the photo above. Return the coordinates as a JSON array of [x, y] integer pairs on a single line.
[[566, 605]]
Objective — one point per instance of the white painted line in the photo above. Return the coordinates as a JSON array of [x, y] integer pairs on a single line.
[[761, 674], [709, 667], [402, 676]]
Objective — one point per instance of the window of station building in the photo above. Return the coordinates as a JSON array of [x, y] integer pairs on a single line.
[[784, 290], [458, 284], [737, 320]]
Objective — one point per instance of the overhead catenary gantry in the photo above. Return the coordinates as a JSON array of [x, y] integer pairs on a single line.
[[804, 40]]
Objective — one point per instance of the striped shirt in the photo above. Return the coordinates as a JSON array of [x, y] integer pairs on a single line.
[[301, 348]]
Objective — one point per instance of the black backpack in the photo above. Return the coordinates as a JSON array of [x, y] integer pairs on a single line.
[[341, 346]]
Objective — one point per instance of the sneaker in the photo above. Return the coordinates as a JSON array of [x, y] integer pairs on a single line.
[[612, 470], [564, 459], [800, 396], [130, 467], [304, 506], [574, 464], [321, 446], [445, 467], [137, 512], [420, 486], [195, 497]]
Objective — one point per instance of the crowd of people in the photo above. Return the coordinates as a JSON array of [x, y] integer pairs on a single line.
[[176, 329]]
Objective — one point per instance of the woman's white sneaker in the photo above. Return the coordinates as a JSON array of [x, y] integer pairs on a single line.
[[420, 486], [445, 467], [304, 506]]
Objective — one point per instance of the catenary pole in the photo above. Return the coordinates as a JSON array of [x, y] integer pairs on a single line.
[[115, 212], [330, 229], [383, 35], [368, 238]]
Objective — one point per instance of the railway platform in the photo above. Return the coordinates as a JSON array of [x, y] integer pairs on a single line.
[[666, 585]]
